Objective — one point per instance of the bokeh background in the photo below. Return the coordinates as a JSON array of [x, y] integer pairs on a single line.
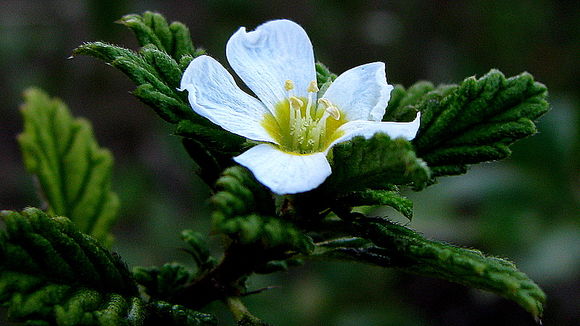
[[526, 208]]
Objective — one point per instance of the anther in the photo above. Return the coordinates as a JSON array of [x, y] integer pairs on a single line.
[[312, 87], [334, 112], [295, 102], [325, 102], [289, 85]]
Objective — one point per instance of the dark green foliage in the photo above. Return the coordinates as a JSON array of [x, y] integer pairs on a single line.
[[401, 106], [51, 272], [157, 70], [198, 249], [352, 249], [244, 211], [251, 321], [409, 251], [369, 197], [163, 313], [161, 283], [74, 173], [152, 28], [323, 77], [375, 163], [477, 121], [155, 73]]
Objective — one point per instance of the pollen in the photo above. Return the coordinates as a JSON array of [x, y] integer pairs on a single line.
[[312, 87], [288, 85], [301, 125]]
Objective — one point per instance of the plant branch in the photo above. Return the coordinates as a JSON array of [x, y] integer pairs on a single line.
[[227, 279]]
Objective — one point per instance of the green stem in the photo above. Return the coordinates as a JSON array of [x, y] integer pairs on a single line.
[[237, 307]]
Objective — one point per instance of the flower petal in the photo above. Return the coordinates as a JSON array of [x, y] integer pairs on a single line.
[[285, 173], [264, 59], [214, 94], [361, 93], [367, 129]]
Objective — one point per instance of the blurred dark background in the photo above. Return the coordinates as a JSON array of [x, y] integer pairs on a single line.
[[526, 208]]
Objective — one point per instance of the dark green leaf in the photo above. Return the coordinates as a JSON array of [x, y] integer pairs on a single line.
[[74, 173], [477, 121], [51, 272], [163, 313], [161, 283], [411, 252], [323, 77], [199, 249], [157, 70], [244, 211], [375, 163], [152, 29], [369, 197]]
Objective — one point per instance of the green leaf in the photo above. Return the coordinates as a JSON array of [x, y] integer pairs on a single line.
[[199, 250], [156, 75], [411, 252], [152, 29], [51, 272], [375, 163], [74, 173], [351, 249], [161, 283], [402, 103], [157, 70], [477, 121], [370, 197], [323, 77], [163, 313], [244, 210]]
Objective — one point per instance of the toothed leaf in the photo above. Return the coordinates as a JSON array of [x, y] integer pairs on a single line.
[[375, 163], [153, 29], [400, 247], [244, 211], [74, 173], [477, 121]]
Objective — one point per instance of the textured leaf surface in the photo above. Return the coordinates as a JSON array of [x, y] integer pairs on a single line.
[[244, 210], [375, 163], [369, 197], [74, 173], [164, 313], [157, 70], [51, 272], [161, 283], [400, 247], [153, 29], [476, 121]]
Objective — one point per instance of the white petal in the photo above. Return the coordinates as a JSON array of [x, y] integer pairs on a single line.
[[264, 59], [361, 93], [214, 94], [367, 129], [285, 173]]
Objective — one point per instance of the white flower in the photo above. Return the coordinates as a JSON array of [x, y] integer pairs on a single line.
[[297, 125]]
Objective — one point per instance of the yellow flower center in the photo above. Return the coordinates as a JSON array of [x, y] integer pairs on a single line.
[[304, 125]]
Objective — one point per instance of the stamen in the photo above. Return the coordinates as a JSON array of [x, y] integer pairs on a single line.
[[289, 85], [312, 87], [325, 102], [296, 123], [334, 112], [295, 102]]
